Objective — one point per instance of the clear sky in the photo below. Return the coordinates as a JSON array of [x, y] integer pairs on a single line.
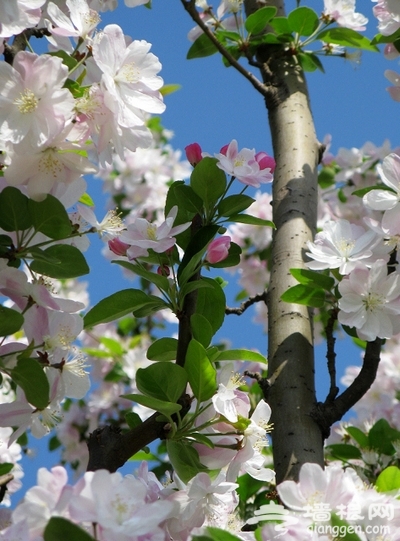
[[216, 105]]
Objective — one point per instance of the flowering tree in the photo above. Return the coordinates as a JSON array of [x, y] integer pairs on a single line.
[[319, 254]]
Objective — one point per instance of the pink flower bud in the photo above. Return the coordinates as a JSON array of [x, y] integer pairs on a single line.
[[224, 150], [163, 270], [117, 246], [218, 249], [265, 161], [193, 153]]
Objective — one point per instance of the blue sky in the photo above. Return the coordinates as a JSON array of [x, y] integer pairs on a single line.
[[216, 105]]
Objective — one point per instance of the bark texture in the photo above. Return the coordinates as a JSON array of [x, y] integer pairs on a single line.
[[296, 435]]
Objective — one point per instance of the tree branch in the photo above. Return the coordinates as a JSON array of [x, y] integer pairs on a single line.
[[20, 42], [331, 356], [331, 411], [190, 7], [246, 304]]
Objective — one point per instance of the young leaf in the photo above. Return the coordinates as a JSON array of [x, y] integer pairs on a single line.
[[164, 381], [313, 278], [303, 20], [358, 435], [234, 204], [184, 459], [160, 281], [29, 375], [202, 47], [303, 294], [310, 62], [346, 37], [163, 349], [14, 215], [251, 220], [60, 528], [257, 21], [194, 252], [50, 217], [201, 372], [201, 329], [381, 436], [343, 451], [240, 355], [211, 304], [388, 480], [71, 262], [208, 181], [166, 408], [117, 305], [362, 191], [133, 420], [10, 321]]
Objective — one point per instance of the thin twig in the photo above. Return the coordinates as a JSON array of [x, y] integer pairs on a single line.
[[246, 304], [190, 7], [331, 356]]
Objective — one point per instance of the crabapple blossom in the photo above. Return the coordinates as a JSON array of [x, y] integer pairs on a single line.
[[388, 14], [370, 301], [387, 200], [29, 109], [82, 22], [17, 15], [110, 226], [228, 396], [340, 245], [343, 13], [41, 168], [244, 166], [143, 235], [129, 75], [218, 249]]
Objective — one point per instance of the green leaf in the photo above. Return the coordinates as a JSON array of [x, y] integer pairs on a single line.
[[201, 329], [380, 437], [60, 529], [201, 47], [192, 286], [133, 420], [281, 25], [50, 217], [234, 204], [166, 408], [188, 199], [163, 349], [217, 534], [257, 21], [252, 220], [313, 278], [114, 347], [302, 294], [346, 37], [67, 59], [303, 20], [164, 381], [117, 305], [184, 459], [343, 451], [362, 191], [85, 199], [71, 262], [14, 215], [160, 281], [201, 372], [358, 435], [240, 355], [211, 304], [10, 321], [310, 62], [165, 90], [388, 480], [326, 177], [6, 467], [208, 181], [29, 375], [386, 39]]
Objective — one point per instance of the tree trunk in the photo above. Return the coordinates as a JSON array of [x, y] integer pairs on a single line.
[[296, 436]]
